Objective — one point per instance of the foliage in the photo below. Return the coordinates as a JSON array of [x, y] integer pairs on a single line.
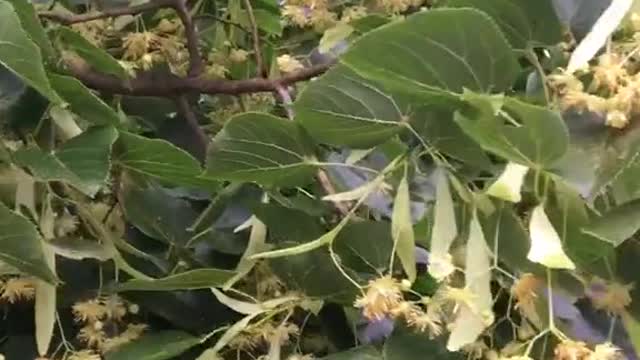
[[379, 179]]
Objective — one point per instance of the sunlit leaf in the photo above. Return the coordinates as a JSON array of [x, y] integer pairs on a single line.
[[445, 229], [509, 184], [546, 246], [402, 230]]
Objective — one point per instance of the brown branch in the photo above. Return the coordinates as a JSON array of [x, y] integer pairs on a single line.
[[196, 65], [257, 49], [187, 113], [170, 85], [69, 19]]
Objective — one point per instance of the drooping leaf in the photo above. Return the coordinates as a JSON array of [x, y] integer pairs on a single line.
[[83, 161], [257, 243], [520, 20], [537, 139], [45, 306], [617, 225], [31, 24], [21, 246], [402, 230], [509, 183], [21, 55], [600, 32], [445, 229], [98, 58], [546, 245], [161, 160], [155, 346], [434, 54], [261, 148], [342, 108], [188, 280], [83, 102]]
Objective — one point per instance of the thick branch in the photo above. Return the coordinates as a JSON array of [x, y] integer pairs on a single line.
[[257, 49], [69, 19], [196, 66], [169, 85]]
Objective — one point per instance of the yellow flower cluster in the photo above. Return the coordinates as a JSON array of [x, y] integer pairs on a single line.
[[93, 313], [613, 91], [162, 45], [384, 299], [16, 289], [263, 334], [613, 297], [576, 350], [314, 13]]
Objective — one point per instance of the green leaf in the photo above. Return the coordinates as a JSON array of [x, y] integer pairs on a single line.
[[365, 246], [31, 24], [98, 58], [333, 36], [161, 160], [188, 280], [402, 230], [83, 161], [435, 54], [261, 148], [616, 225], [21, 246], [520, 20], [367, 352], [406, 344], [45, 306], [537, 139], [155, 346], [268, 21], [20, 55], [342, 108], [83, 102]]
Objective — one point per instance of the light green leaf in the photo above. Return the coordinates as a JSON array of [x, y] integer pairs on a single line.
[[98, 58], [445, 229], [21, 246], [20, 55], [333, 36], [155, 346], [435, 54], [402, 230], [268, 22], [188, 280], [342, 108], [45, 306], [257, 243], [160, 159], [534, 136], [520, 20], [260, 148], [79, 249], [617, 225], [31, 24], [83, 102], [83, 161]]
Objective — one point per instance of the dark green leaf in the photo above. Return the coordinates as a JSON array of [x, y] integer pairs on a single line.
[[98, 58], [365, 246], [162, 160], [288, 224], [359, 353], [83, 102], [31, 24], [538, 140], [617, 225], [342, 108], [520, 20], [155, 346], [406, 344], [435, 54], [188, 280], [21, 245], [83, 161], [21, 55], [261, 148]]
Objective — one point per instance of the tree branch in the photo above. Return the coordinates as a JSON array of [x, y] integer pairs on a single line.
[[257, 49], [170, 85], [69, 19], [196, 65]]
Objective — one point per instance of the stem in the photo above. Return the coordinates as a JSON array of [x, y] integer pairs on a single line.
[[531, 55], [257, 49]]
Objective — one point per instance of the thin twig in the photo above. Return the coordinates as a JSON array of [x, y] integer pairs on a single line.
[[321, 175], [69, 19], [171, 85], [257, 49]]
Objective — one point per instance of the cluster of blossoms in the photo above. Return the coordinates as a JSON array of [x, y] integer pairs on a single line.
[[164, 44], [264, 334], [322, 14], [609, 87], [220, 60], [104, 326]]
